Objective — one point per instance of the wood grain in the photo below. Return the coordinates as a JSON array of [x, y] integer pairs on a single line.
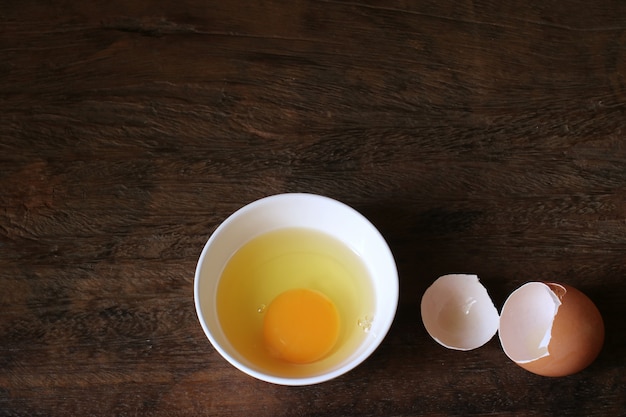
[[479, 136]]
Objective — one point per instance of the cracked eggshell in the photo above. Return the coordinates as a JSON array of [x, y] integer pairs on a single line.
[[458, 313], [551, 329]]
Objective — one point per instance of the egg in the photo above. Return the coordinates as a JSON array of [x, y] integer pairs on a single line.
[[301, 326], [551, 329], [458, 313]]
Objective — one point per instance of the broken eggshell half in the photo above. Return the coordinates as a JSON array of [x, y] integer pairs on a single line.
[[458, 313], [550, 329]]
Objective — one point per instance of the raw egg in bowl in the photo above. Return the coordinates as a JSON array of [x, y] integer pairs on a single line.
[[296, 289]]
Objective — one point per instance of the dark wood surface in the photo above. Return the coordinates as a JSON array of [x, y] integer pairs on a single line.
[[478, 136]]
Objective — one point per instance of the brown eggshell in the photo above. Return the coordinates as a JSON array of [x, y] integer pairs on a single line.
[[577, 335]]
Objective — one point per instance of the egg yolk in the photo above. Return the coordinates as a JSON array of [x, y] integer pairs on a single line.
[[300, 326]]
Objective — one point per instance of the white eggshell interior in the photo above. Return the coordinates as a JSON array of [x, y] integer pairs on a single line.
[[458, 313], [526, 322]]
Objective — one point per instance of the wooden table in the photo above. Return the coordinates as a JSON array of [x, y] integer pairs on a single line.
[[484, 137]]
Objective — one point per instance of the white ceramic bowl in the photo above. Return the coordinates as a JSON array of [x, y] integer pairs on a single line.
[[307, 211]]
